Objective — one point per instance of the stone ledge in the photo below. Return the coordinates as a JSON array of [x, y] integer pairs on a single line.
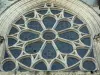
[[49, 73]]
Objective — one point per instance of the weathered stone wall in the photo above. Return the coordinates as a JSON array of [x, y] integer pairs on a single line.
[[4, 4]]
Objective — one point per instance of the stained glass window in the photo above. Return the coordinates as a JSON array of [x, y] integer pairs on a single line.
[[46, 39]]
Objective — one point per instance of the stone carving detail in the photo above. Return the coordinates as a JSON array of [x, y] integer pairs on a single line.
[[97, 37], [1, 39]]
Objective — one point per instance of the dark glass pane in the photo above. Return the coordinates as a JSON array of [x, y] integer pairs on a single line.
[[86, 41], [40, 66], [78, 21], [63, 25], [35, 25], [25, 36], [84, 30], [8, 66], [57, 66], [76, 68], [49, 5], [82, 52], [42, 11], [26, 61], [30, 15], [49, 52], [64, 47], [21, 69], [13, 31], [15, 52], [55, 11], [33, 47], [49, 21], [6, 55], [11, 41], [67, 14], [71, 61], [70, 35], [91, 54], [20, 21], [89, 65]]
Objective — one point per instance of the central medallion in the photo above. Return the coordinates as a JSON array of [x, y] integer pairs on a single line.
[[49, 35]]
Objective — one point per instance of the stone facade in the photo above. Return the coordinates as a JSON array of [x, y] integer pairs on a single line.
[[10, 9]]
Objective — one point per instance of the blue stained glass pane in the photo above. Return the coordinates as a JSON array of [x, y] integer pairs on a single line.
[[15, 52], [49, 52], [20, 21], [55, 11], [33, 47], [35, 25], [25, 36], [8, 66], [30, 15], [42, 11], [57, 66], [26, 61], [86, 41], [40, 66], [82, 52], [63, 25], [84, 30], [71, 61], [11, 41], [70, 35], [64, 47], [76, 68], [13, 31], [89, 65], [78, 21], [6, 55], [67, 14], [49, 21]]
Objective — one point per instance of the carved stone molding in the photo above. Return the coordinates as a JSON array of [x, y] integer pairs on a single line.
[[97, 37]]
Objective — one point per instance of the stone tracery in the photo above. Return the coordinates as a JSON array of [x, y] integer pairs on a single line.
[[64, 51]]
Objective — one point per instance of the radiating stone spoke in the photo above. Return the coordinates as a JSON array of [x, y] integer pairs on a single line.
[[56, 48], [43, 46], [63, 40], [49, 51], [55, 25], [61, 31], [43, 26]]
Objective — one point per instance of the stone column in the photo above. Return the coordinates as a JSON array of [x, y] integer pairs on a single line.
[[97, 49]]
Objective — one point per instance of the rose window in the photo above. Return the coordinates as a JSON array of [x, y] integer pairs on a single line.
[[49, 38]]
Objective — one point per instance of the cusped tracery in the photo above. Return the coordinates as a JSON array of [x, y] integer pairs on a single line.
[[49, 38]]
